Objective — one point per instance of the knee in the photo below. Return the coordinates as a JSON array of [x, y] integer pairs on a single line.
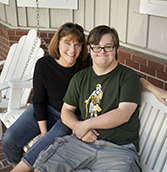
[[7, 139]]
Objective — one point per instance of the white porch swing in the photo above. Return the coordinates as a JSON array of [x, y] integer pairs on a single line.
[[17, 74]]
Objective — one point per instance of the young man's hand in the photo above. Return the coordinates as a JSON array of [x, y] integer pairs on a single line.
[[90, 136], [80, 129]]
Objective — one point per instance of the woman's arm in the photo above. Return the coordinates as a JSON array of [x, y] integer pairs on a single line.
[[160, 94], [43, 127], [40, 97], [39, 101]]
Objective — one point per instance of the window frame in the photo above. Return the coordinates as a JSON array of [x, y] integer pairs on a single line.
[[154, 7], [61, 4]]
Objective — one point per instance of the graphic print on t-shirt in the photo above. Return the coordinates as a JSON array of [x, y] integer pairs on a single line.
[[92, 103]]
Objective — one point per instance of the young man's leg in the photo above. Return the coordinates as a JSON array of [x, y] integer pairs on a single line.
[[71, 154], [111, 157], [66, 154]]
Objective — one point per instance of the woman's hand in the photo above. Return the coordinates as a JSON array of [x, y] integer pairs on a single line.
[[43, 129], [41, 135]]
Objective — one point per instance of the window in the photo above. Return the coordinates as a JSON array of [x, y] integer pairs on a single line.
[[154, 7], [4, 2], [63, 4]]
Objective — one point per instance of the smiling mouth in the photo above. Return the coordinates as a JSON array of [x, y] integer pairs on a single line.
[[71, 55]]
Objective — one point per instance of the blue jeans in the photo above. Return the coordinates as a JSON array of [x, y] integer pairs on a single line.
[[69, 154], [25, 129]]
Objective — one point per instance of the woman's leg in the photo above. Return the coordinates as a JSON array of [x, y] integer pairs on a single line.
[[18, 135], [58, 130], [26, 165]]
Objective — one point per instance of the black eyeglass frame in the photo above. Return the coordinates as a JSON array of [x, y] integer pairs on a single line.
[[69, 26], [101, 49]]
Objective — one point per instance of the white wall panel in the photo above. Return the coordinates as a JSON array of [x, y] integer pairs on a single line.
[[102, 12], [2, 13], [157, 34], [118, 19], [58, 17], [31, 14], [79, 14], [89, 14], [22, 17], [137, 25], [11, 12], [43, 17]]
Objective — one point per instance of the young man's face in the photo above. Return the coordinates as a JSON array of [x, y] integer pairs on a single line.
[[103, 59]]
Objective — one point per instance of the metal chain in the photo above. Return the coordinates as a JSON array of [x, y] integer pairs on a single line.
[[29, 57], [43, 42], [37, 15]]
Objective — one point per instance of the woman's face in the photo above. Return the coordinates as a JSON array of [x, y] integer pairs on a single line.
[[70, 50]]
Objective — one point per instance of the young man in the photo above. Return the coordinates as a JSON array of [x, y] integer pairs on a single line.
[[108, 95]]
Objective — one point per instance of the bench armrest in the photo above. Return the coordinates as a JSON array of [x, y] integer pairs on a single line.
[[16, 88], [20, 85], [17, 83]]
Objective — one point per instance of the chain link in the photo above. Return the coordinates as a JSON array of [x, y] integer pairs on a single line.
[[43, 42]]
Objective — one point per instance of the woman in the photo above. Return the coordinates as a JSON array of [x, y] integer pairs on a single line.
[[51, 77], [67, 52]]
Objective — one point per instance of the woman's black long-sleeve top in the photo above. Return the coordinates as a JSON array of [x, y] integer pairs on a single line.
[[50, 82]]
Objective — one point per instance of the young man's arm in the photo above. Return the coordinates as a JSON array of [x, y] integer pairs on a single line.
[[69, 118], [107, 120], [160, 94]]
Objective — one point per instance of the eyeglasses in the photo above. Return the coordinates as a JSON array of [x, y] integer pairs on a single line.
[[69, 26], [106, 49]]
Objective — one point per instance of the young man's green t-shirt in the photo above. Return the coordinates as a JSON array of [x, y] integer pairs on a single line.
[[96, 95]]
